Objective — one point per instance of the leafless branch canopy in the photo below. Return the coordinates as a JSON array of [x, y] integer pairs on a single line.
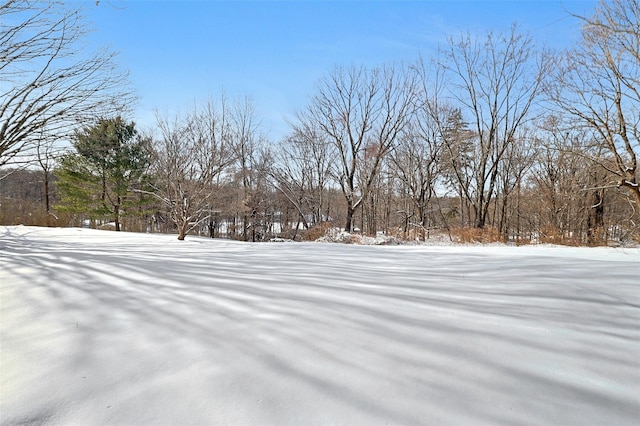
[[362, 113], [50, 83], [598, 84]]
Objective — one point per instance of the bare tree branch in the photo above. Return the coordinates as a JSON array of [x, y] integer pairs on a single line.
[[51, 84]]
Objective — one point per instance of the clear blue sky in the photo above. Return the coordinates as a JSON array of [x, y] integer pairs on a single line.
[[180, 52]]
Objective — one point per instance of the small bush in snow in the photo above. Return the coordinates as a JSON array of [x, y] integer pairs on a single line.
[[316, 231], [336, 235]]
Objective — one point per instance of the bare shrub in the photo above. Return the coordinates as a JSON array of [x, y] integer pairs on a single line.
[[549, 234], [477, 235], [316, 231]]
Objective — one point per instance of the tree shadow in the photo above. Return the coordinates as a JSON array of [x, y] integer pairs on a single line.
[[391, 336]]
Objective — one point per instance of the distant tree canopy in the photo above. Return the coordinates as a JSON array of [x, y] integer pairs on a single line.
[[110, 161]]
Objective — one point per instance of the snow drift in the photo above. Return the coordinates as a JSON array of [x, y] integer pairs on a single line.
[[100, 327]]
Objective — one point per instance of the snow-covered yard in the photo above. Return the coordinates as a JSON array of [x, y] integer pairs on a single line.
[[100, 327]]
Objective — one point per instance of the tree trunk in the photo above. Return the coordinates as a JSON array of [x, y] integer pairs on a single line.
[[182, 231], [595, 219], [253, 228], [245, 227], [635, 191], [349, 223], [480, 216], [116, 212], [47, 202], [503, 225]]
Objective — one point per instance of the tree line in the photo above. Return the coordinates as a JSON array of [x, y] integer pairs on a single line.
[[491, 138]]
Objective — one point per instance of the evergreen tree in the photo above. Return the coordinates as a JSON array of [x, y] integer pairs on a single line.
[[110, 161]]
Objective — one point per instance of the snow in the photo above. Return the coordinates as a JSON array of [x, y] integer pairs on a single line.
[[99, 327]]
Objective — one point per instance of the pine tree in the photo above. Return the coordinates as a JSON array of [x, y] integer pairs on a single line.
[[110, 161]]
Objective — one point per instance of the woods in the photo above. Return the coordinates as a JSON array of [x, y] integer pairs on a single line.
[[494, 138]]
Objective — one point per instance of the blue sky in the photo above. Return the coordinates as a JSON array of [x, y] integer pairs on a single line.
[[181, 52]]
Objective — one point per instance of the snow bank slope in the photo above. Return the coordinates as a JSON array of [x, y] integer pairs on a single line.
[[100, 327]]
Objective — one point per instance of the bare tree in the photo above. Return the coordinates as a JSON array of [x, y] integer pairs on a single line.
[[47, 153], [302, 173], [415, 162], [362, 113], [249, 169], [192, 151], [50, 84], [495, 81], [598, 84], [518, 160], [573, 203]]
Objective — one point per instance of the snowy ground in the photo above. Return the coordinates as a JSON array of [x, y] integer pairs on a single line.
[[100, 327]]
